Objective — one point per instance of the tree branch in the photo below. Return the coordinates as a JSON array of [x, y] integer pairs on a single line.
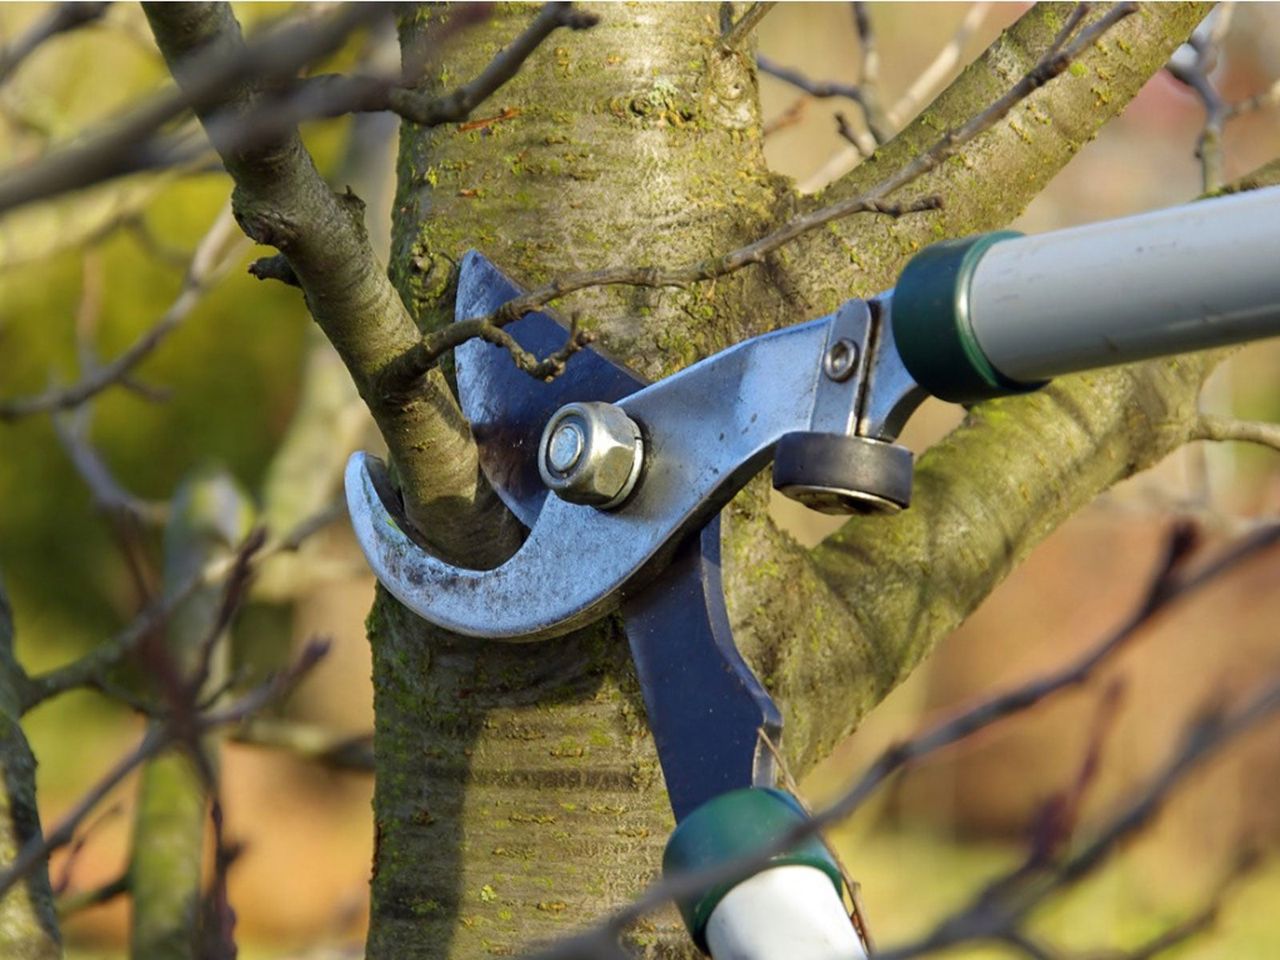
[[213, 256], [281, 201], [1211, 427], [740, 31], [62, 18], [125, 145]]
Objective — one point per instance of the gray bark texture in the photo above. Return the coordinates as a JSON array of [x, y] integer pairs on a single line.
[[518, 793]]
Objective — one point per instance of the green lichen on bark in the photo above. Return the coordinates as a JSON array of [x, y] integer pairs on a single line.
[[28, 923]]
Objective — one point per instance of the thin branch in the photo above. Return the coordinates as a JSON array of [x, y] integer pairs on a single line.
[[820, 89], [62, 18], [124, 146], [74, 903], [329, 748], [925, 85], [1259, 101], [412, 364], [89, 669], [213, 256], [159, 737], [789, 117], [1194, 71], [737, 35], [1001, 906], [931, 78], [1211, 427]]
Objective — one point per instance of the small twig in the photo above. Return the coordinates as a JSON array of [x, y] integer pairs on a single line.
[[787, 118], [1211, 427], [820, 89], [329, 748], [75, 902], [1194, 72], [63, 882], [62, 18], [925, 85], [213, 256], [848, 133], [735, 38], [857, 915], [1259, 101]]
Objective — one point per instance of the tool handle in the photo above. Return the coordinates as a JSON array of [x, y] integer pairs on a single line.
[[1001, 313], [790, 912], [790, 909]]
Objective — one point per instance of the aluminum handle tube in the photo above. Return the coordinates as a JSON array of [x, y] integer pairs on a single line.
[[1188, 278]]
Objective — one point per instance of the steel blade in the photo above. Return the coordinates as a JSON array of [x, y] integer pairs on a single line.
[[706, 708], [507, 407]]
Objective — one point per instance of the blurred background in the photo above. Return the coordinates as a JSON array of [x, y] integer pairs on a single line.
[[89, 274]]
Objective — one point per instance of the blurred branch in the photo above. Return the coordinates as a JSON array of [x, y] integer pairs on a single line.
[[61, 18], [929, 81], [787, 118], [1006, 902], [329, 748], [74, 903], [125, 144], [1192, 65], [214, 254], [88, 670], [922, 88], [157, 739]]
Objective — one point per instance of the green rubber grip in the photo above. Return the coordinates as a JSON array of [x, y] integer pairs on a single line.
[[734, 825], [932, 324]]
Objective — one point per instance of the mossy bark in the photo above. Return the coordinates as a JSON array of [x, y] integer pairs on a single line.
[[518, 793], [28, 923]]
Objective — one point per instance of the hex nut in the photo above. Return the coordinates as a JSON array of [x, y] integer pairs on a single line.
[[605, 471]]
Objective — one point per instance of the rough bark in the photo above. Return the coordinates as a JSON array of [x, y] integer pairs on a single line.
[[517, 789], [28, 923]]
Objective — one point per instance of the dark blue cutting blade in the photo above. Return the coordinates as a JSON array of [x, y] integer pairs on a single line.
[[507, 407], [706, 708]]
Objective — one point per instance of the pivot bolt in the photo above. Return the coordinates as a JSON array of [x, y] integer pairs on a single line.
[[591, 453], [841, 360]]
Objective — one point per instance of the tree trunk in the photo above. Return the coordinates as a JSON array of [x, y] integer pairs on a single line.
[[518, 792]]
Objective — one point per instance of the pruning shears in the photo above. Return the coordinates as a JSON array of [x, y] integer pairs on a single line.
[[622, 481]]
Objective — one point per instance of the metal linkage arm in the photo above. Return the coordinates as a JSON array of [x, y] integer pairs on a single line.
[[705, 432]]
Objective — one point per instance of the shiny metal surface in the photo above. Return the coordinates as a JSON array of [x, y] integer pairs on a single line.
[[591, 453], [707, 430], [507, 408], [706, 708]]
